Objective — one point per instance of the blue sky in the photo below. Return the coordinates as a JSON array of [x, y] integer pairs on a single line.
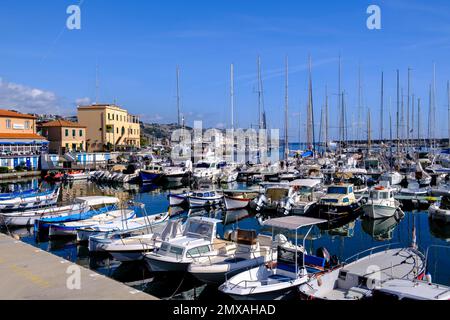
[[137, 44]]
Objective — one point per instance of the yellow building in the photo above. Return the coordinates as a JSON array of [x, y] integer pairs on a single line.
[[64, 136], [109, 127], [18, 134]]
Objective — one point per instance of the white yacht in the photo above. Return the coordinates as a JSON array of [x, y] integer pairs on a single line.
[[199, 240], [392, 177], [250, 251], [205, 198], [381, 203], [441, 210], [303, 198], [133, 248], [280, 277], [355, 280]]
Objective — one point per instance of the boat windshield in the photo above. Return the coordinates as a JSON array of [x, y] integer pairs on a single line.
[[202, 165], [337, 190]]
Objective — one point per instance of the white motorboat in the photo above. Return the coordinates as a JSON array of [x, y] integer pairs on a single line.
[[30, 200], [238, 199], [440, 210], [278, 279], [356, 280], [420, 176], [199, 239], [133, 248], [174, 174], [100, 235], [204, 198], [381, 203], [303, 198], [272, 198], [178, 199], [250, 251], [77, 175], [208, 169], [80, 205], [70, 228], [392, 177]]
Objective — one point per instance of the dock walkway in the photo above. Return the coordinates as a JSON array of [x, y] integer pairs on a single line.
[[28, 273]]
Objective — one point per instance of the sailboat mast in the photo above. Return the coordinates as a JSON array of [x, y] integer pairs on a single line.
[[259, 93], [448, 111], [369, 138], [398, 110], [413, 98], [418, 120], [381, 108], [232, 95], [340, 106], [358, 127], [326, 117], [178, 96], [407, 107], [310, 111], [286, 107]]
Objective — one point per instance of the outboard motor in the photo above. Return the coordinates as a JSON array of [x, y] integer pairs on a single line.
[[262, 200], [288, 206]]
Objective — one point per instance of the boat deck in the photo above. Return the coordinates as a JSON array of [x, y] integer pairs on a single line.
[[399, 264], [28, 273]]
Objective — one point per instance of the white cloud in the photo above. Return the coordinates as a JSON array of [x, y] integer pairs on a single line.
[[27, 99], [83, 101]]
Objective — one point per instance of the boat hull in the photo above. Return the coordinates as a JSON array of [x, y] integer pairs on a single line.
[[374, 211], [232, 203]]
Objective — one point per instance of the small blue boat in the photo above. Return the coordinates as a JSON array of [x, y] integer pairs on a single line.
[[151, 173], [98, 205]]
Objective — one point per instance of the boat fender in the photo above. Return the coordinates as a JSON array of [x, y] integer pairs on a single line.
[[323, 253], [428, 278], [319, 281]]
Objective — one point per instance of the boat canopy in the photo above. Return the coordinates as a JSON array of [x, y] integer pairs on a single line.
[[293, 222], [310, 183], [98, 200]]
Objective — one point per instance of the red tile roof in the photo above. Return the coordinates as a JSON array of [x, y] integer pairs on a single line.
[[18, 136], [14, 114], [62, 123]]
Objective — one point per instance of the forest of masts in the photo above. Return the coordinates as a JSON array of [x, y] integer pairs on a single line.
[[405, 124]]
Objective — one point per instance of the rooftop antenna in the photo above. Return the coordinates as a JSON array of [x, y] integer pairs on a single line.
[[97, 84]]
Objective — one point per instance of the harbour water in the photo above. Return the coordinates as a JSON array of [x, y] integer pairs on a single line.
[[342, 238]]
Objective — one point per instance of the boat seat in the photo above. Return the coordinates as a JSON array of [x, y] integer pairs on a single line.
[[356, 293], [264, 240], [219, 243]]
